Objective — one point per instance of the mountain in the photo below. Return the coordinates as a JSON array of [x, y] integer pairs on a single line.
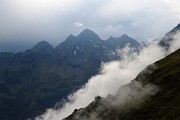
[[121, 41], [153, 95], [42, 47], [34, 80], [166, 40]]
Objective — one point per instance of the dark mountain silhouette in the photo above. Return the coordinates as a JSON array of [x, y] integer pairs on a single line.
[[34, 80]]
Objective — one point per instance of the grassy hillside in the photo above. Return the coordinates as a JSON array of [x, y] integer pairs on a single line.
[[161, 105]]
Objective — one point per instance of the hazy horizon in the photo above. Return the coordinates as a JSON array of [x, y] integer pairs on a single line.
[[24, 23]]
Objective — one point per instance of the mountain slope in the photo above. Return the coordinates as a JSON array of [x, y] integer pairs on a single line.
[[154, 94], [160, 101], [34, 80], [166, 40]]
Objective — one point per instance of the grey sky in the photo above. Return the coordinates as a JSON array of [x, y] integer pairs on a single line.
[[26, 22]]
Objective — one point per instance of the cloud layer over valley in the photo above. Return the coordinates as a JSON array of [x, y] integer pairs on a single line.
[[111, 77]]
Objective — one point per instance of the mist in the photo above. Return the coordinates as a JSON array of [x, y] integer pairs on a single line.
[[128, 97], [112, 75]]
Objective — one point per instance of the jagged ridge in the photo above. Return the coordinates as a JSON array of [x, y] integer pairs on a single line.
[[34, 80]]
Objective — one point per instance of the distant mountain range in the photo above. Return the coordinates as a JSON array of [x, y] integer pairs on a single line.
[[34, 80], [159, 88]]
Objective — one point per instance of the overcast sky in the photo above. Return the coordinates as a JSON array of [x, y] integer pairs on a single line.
[[26, 22]]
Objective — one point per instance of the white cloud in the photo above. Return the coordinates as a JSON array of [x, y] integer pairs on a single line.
[[117, 8], [44, 6], [176, 44], [174, 4], [147, 17], [78, 24], [51, 20]]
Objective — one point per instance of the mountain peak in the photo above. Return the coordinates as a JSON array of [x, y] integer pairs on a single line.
[[125, 36], [178, 27], [111, 37], [88, 34], [87, 31], [124, 39], [143, 44], [42, 46], [175, 29], [70, 37]]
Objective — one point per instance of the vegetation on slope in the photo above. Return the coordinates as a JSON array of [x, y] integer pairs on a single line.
[[163, 105]]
